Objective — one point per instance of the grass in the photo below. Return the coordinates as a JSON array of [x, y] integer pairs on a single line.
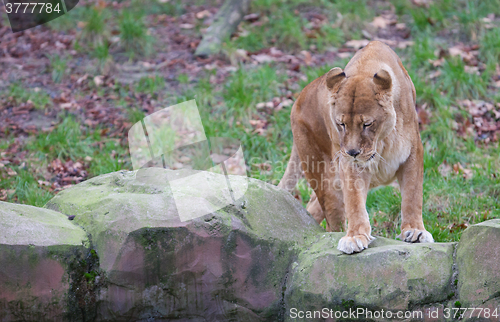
[[450, 202], [134, 37], [151, 85], [58, 67], [94, 30], [19, 94]]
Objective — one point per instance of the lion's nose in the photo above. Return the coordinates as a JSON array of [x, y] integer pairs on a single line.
[[353, 152]]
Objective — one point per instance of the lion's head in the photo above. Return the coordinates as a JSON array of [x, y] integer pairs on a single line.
[[362, 112]]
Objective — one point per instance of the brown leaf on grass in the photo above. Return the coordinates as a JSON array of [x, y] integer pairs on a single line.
[[476, 107], [252, 17], [263, 58], [404, 43], [259, 126], [265, 104], [357, 44], [437, 62], [99, 80], [434, 74], [380, 22], [277, 104], [307, 57], [444, 169], [466, 173], [44, 183], [454, 226], [467, 53], [186, 26], [400, 26], [265, 168], [203, 14], [472, 70], [456, 51], [422, 3]]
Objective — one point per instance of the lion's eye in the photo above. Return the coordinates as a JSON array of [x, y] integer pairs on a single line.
[[341, 124], [367, 124]]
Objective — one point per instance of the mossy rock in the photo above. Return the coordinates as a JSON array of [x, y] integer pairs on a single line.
[[478, 262], [40, 253], [225, 264], [389, 275]]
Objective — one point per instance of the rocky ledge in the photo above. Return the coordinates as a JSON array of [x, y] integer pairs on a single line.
[[127, 256]]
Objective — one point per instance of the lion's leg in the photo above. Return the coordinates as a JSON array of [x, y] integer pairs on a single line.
[[334, 209], [314, 208], [355, 189], [410, 177]]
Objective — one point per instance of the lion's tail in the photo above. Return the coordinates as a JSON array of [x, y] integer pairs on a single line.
[[293, 172]]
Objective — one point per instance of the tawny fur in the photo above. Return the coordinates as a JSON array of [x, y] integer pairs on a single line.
[[367, 108]]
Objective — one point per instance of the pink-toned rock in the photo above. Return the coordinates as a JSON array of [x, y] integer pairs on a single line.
[[36, 248], [230, 264]]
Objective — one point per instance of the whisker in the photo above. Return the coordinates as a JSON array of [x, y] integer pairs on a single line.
[[381, 158]]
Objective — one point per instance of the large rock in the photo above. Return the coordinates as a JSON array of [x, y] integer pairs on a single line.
[[478, 261], [389, 275], [41, 256], [230, 264]]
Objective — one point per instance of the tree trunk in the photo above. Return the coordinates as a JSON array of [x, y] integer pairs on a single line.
[[224, 24]]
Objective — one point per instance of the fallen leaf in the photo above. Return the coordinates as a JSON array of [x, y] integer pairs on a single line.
[[380, 22], [186, 26], [357, 44], [405, 43], [437, 62], [307, 57], [203, 14], [434, 74], [459, 169], [60, 45], [99, 80], [421, 3], [472, 70], [65, 105], [44, 183], [81, 79], [263, 58], [455, 51], [251, 17], [401, 26], [444, 169], [262, 105], [344, 55]]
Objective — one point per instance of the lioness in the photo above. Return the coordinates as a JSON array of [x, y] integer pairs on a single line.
[[356, 129]]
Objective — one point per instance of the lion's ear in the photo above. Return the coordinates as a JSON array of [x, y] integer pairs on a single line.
[[334, 77], [383, 79]]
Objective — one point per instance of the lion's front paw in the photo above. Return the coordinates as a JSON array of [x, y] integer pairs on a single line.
[[354, 244], [416, 236]]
